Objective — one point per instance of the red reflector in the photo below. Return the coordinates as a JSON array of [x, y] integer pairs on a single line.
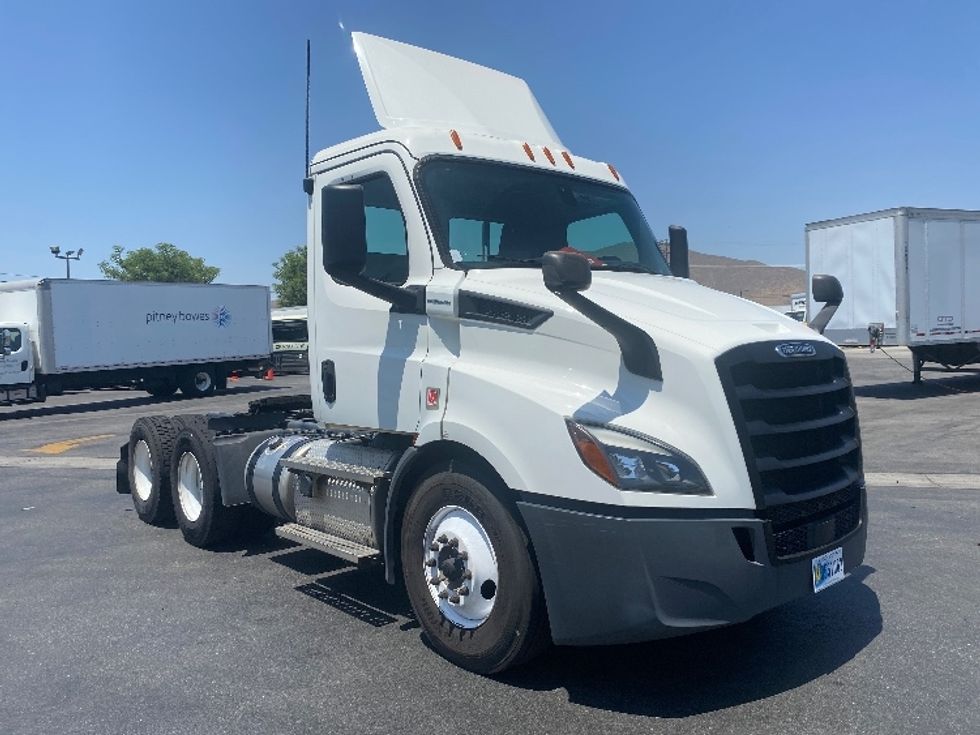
[[549, 156], [530, 153], [613, 171], [431, 398], [568, 158], [454, 136]]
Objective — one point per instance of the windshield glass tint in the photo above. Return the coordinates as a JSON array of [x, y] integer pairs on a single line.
[[489, 214], [289, 330]]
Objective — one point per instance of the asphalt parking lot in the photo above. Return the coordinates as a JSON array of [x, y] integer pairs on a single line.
[[111, 626]]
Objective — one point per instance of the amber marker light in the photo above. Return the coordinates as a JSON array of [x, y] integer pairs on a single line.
[[530, 153], [613, 171], [591, 453], [549, 156], [568, 158], [454, 137]]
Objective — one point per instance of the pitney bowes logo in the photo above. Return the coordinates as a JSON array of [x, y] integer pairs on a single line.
[[796, 349], [220, 317]]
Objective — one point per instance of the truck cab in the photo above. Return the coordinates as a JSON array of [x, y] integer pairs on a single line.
[[517, 407], [16, 363]]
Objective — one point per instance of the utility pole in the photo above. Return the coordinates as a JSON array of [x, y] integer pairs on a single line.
[[68, 257]]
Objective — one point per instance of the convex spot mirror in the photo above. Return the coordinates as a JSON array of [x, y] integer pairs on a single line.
[[826, 289], [565, 271], [343, 230]]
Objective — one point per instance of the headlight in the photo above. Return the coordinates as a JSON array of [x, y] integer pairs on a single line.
[[633, 463]]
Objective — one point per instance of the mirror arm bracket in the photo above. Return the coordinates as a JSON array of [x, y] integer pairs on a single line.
[[404, 300]]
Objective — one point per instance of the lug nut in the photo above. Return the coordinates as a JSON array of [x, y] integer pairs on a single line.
[[430, 562], [443, 539], [454, 542], [467, 574], [463, 555], [434, 546], [443, 594], [463, 591], [435, 581], [454, 599]]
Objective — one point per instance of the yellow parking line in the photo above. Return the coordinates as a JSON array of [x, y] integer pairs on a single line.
[[66, 444]]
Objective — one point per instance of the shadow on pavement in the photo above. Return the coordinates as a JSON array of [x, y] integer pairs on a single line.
[[929, 388], [43, 409], [774, 653]]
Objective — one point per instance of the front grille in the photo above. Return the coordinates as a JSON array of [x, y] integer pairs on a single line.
[[798, 428]]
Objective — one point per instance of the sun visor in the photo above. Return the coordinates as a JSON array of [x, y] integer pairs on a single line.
[[414, 87]]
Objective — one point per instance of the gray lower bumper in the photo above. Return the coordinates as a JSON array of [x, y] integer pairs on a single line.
[[14, 393], [620, 580]]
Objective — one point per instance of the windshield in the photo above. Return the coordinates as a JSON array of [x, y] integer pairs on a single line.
[[489, 215], [289, 330]]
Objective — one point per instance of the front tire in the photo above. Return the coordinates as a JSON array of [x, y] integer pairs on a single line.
[[151, 444], [469, 573]]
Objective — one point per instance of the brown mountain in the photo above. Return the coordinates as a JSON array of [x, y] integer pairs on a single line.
[[766, 284]]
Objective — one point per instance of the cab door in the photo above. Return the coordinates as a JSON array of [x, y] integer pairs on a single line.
[[16, 355], [365, 357]]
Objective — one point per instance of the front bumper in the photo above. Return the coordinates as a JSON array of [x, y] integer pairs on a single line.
[[610, 580], [16, 393]]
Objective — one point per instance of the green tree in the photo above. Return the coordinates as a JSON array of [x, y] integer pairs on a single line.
[[163, 262], [290, 277]]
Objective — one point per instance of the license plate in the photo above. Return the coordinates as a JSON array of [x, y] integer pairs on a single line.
[[828, 569]]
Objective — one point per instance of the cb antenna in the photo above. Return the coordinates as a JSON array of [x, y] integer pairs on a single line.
[[307, 181]]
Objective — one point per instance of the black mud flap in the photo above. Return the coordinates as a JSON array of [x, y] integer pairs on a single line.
[[122, 470]]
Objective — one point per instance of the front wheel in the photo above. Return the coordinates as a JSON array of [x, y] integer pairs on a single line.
[[469, 574]]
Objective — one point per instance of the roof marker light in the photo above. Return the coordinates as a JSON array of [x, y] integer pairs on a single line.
[[549, 156], [454, 136], [530, 153], [613, 171], [568, 158]]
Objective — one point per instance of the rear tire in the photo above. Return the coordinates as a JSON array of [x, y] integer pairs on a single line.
[[198, 382], [151, 445], [203, 519], [161, 388], [500, 622]]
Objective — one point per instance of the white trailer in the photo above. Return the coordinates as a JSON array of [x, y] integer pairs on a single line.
[[64, 334], [910, 275], [516, 407]]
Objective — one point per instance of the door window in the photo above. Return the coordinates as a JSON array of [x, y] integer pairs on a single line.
[[387, 238], [10, 340]]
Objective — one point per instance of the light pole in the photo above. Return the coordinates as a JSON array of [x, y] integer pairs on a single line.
[[68, 257]]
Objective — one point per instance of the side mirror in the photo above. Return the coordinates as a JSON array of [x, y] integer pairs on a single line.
[[565, 272], [679, 263], [343, 230], [826, 290]]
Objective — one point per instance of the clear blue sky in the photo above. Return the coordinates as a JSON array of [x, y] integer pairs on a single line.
[[131, 123]]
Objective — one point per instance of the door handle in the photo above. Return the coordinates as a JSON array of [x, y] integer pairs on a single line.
[[328, 379]]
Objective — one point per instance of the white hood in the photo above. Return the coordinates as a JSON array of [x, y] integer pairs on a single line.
[[414, 87], [715, 320]]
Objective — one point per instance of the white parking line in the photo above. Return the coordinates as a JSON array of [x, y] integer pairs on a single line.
[[909, 479], [60, 463]]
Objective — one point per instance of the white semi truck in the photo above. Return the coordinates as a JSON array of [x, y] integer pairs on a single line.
[[516, 408], [911, 275], [61, 334]]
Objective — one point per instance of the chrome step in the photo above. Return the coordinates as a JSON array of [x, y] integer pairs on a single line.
[[334, 545], [338, 470]]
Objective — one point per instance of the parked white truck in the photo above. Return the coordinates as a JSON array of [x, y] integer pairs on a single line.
[[517, 409], [910, 275], [61, 334]]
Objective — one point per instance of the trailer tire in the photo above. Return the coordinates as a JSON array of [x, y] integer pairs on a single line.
[[198, 382], [501, 622], [151, 445], [202, 518]]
